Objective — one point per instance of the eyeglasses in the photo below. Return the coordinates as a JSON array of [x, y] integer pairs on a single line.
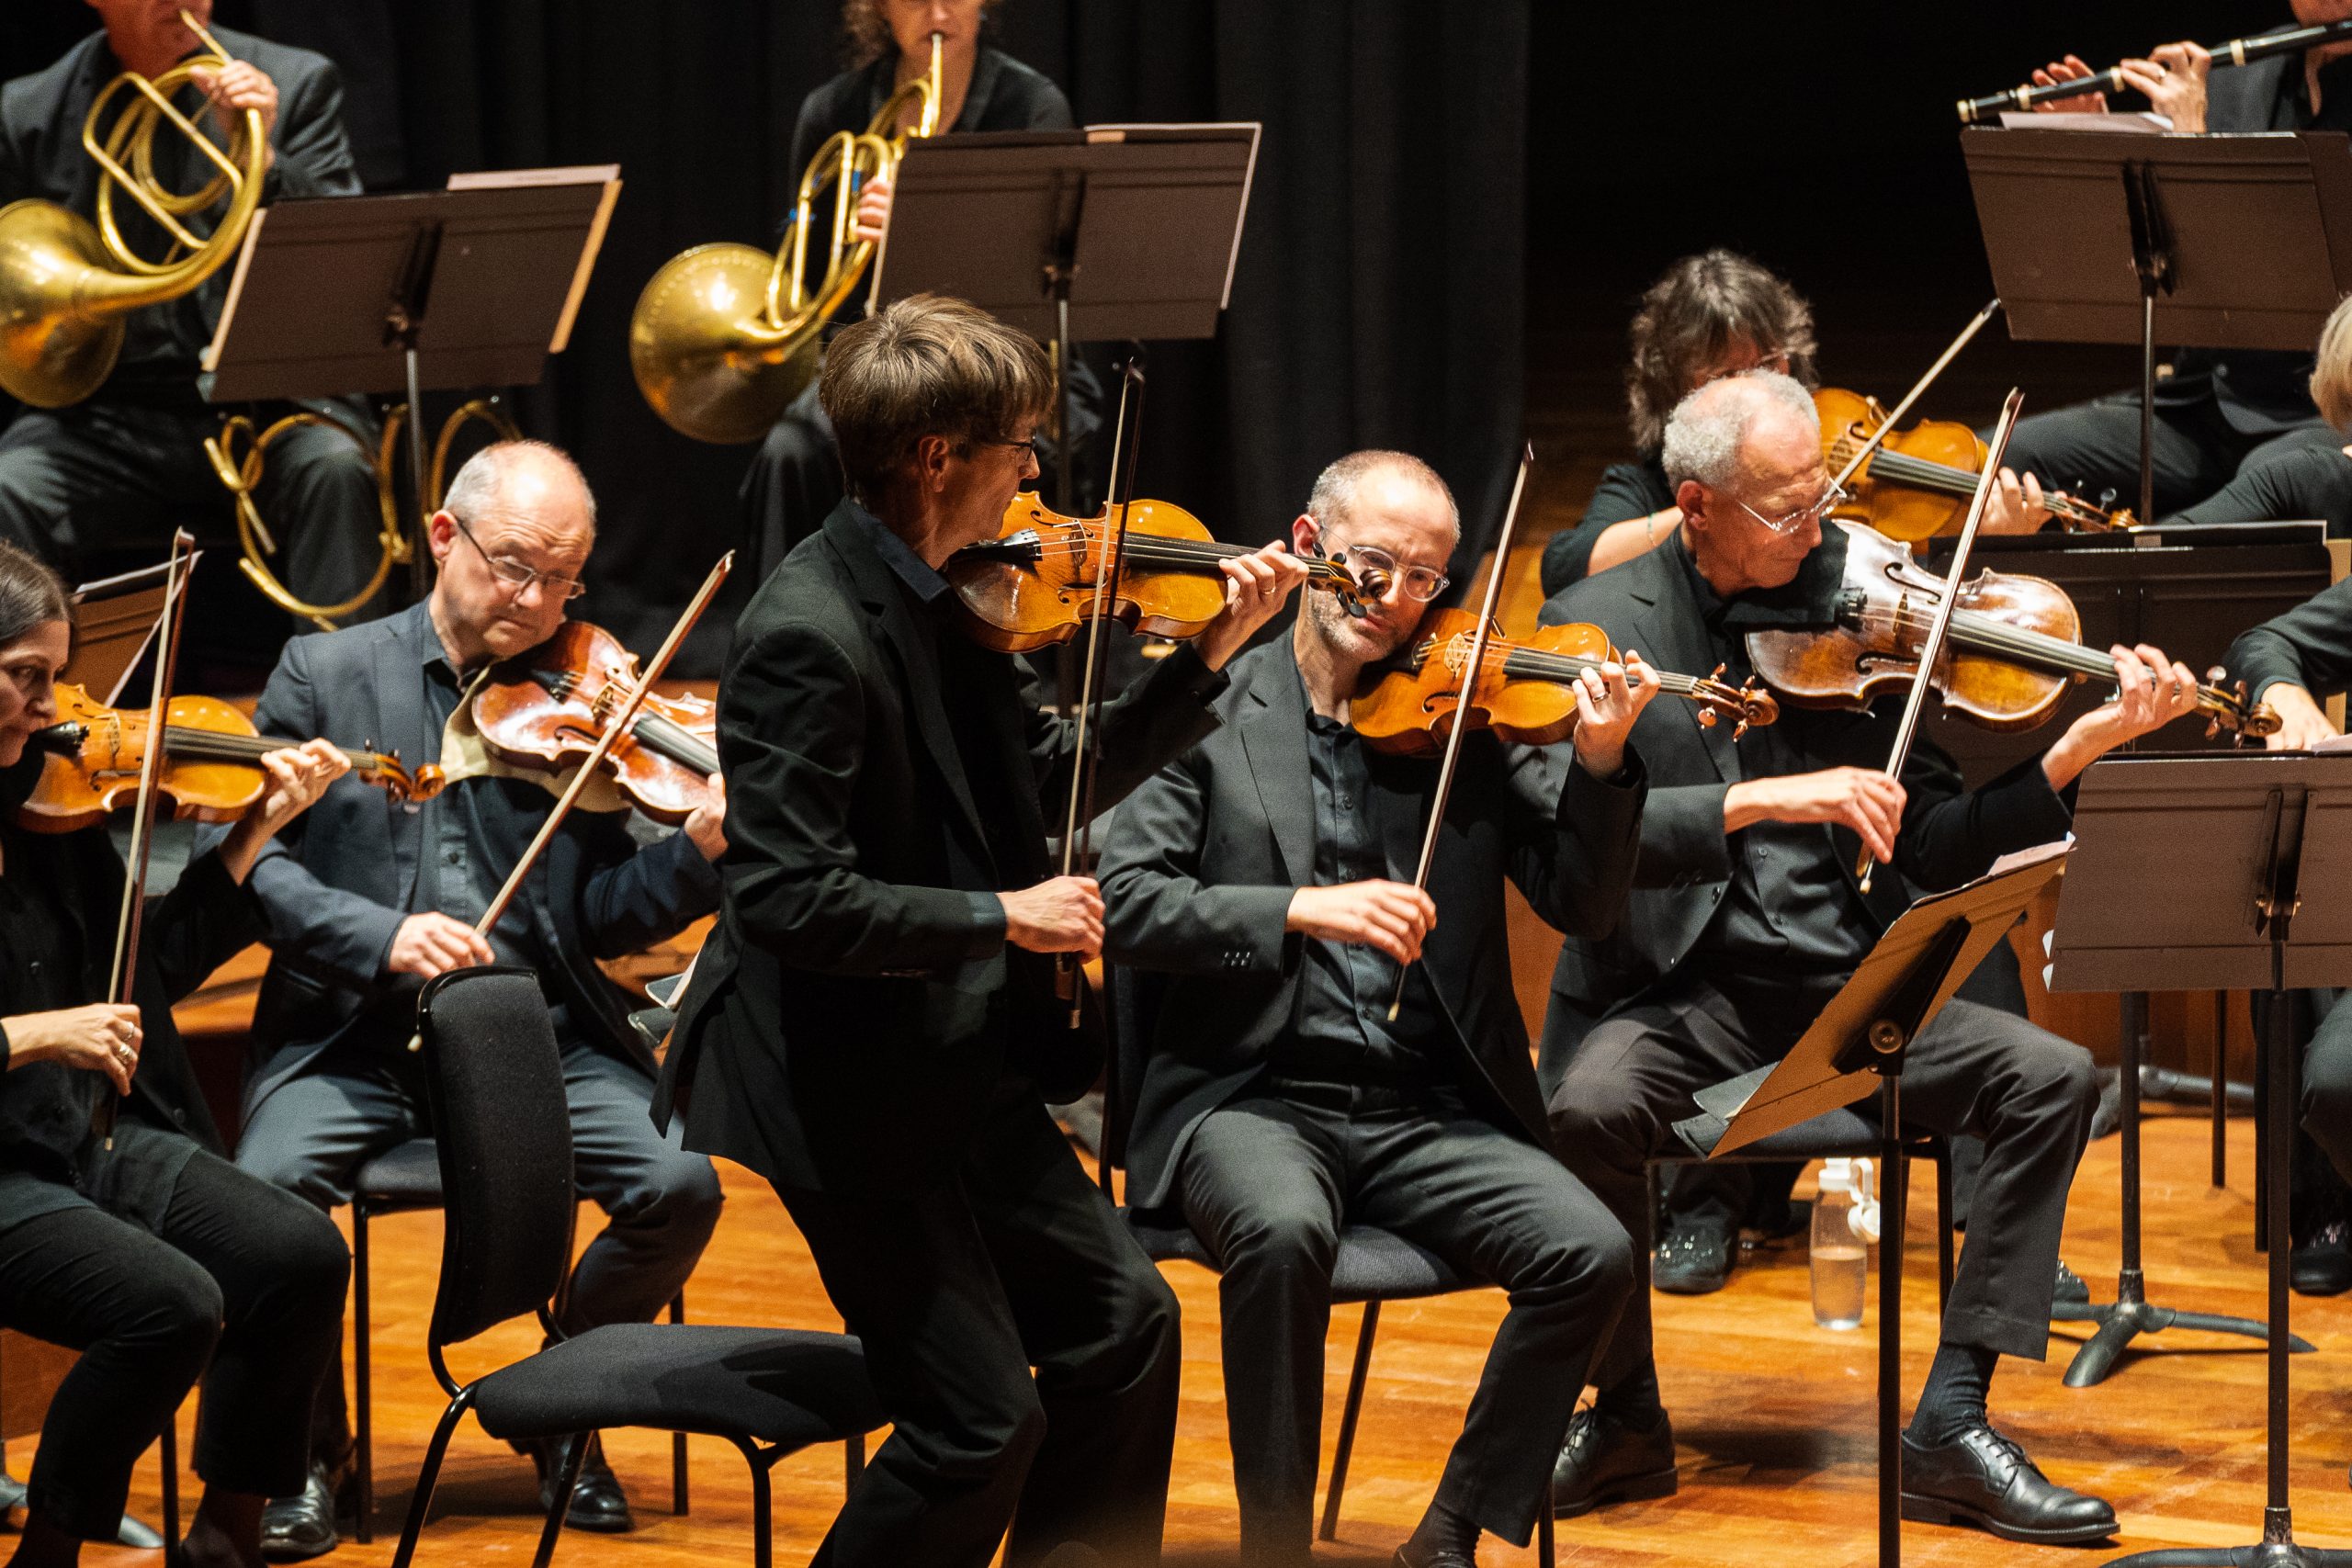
[[1420, 582], [1831, 499], [1034, 445], [518, 577]]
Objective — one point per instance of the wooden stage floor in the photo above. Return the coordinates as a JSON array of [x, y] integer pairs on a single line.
[[1772, 1415]]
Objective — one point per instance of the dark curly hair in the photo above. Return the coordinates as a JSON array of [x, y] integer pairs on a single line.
[[866, 32], [1690, 315]]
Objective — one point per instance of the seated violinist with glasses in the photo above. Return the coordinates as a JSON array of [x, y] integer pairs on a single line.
[[1748, 917]]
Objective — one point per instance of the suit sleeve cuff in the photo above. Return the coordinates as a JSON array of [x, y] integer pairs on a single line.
[[988, 925], [1187, 670]]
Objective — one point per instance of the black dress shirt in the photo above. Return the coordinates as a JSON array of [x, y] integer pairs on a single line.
[[1626, 490], [1005, 95], [44, 1108], [1340, 1034]]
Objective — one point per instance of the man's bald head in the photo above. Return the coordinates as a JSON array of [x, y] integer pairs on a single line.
[[523, 480], [1708, 431], [1744, 454]]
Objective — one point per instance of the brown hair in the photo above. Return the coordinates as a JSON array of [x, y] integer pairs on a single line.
[[866, 32], [926, 366], [1695, 310], [2332, 372], [30, 595]]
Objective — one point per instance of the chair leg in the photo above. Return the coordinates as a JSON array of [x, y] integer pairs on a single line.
[[363, 1388], [855, 1448], [1348, 1414], [170, 1456], [429, 1475], [1943, 1229], [678, 1440], [1546, 1553], [763, 1540], [575, 1456]]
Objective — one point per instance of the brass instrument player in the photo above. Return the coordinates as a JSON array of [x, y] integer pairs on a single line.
[[114, 469], [796, 478]]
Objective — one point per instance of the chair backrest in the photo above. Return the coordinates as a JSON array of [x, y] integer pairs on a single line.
[[494, 1081]]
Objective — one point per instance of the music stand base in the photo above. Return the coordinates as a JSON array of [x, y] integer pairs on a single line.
[[2120, 1322], [2270, 1554]]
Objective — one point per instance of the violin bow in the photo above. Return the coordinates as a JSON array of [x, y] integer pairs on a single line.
[[1470, 671], [122, 978], [1078, 829], [615, 727], [1932, 648], [1886, 426]]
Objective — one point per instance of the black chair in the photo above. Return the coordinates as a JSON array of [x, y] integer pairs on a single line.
[[1372, 1265], [496, 1087], [403, 1178]]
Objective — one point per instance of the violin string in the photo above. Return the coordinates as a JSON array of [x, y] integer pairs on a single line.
[[1922, 473], [1982, 633]]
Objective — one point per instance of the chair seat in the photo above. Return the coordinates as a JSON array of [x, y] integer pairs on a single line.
[[1373, 1265], [406, 1176], [783, 1386]]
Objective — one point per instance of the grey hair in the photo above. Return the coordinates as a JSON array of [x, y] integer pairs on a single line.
[[481, 482], [1704, 432], [1334, 495]]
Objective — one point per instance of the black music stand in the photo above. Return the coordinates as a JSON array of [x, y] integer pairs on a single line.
[[1104, 234], [471, 286], [1856, 1046], [2188, 873], [2205, 241]]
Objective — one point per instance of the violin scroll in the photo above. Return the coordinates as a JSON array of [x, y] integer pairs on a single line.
[[1749, 705], [2227, 709]]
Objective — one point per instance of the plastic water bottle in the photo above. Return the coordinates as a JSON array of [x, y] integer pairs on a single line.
[[1840, 1251]]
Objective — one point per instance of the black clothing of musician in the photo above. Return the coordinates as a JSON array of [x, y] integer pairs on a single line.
[[796, 478], [117, 471], [1277, 1104], [151, 1255], [1626, 490], [2220, 414]]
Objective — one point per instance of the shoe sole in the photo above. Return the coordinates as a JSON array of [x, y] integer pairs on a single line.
[[1702, 1287], [1632, 1489], [1938, 1511]]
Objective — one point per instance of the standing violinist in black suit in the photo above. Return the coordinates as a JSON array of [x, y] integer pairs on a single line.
[[870, 1025]]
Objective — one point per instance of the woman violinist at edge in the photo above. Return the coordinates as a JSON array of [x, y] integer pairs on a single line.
[[796, 478], [155, 1258], [1708, 316]]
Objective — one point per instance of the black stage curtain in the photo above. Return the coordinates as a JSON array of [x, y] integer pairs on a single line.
[[1378, 299]]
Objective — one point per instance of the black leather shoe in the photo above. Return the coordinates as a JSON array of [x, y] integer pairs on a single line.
[[2321, 1266], [2071, 1287], [297, 1529], [1985, 1479], [1443, 1557], [598, 1504], [1693, 1258], [1605, 1461]]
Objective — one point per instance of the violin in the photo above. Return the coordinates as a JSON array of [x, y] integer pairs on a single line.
[[1526, 690], [2015, 647], [1034, 584], [211, 763], [545, 711], [1918, 483]]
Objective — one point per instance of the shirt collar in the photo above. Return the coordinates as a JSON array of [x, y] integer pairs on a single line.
[[919, 576]]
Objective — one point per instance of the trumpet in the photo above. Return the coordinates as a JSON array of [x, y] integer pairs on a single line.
[[724, 336], [66, 285], [2237, 51], [240, 451]]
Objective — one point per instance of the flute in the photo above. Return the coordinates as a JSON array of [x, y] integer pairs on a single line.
[[2237, 51]]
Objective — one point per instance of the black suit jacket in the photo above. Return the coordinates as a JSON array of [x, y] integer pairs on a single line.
[[1950, 833], [855, 1006], [41, 155], [336, 883], [1200, 865], [2310, 646]]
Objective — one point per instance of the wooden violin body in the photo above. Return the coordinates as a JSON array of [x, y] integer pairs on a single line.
[[1526, 693], [545, 711], [211, 763], [2015, 646], [1035, 583], [1919, 483]]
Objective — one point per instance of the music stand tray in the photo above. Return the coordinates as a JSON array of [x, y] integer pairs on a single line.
[[1858, 1045], [2186, 874]]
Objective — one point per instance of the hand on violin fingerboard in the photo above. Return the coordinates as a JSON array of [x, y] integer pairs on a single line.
[[1256, 585], [1610, 697], [2017, 504], [1391, 916], [2151, 690]]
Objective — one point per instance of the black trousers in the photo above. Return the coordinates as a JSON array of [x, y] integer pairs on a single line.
[[99, 476], [2095, 447], [2326, 1096], [2027, 1093], [239, 1283], [958, 1291], [1268, 1181]]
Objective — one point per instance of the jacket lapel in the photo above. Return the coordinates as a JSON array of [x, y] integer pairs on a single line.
[[879, 589], [1278, 765], [1670, 634], [398, 690]]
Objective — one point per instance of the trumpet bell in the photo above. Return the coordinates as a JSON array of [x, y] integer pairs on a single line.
[[53, 350], [701, 354]]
